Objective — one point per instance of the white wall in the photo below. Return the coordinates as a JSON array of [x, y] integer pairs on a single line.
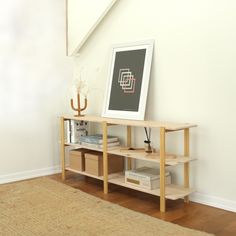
[[34, 75], [80, 23], [193, 79]]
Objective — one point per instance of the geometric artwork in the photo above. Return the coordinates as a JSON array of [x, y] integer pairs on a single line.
[[127, 85], [126, 80]]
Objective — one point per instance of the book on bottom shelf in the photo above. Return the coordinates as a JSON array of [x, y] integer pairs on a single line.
[[145, 177]]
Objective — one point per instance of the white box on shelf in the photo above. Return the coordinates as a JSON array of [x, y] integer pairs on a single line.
[[145, 177]]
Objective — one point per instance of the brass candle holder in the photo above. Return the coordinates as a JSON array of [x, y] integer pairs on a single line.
[[79, 108]]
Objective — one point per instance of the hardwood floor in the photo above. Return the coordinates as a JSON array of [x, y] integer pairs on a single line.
[[192, 215]]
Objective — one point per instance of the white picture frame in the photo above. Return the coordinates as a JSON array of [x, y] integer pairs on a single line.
[[128, 80]]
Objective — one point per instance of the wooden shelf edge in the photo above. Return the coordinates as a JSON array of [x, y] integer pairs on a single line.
[[144, 157], [138, 156], [171, 126], [84, 173], [77, 145]]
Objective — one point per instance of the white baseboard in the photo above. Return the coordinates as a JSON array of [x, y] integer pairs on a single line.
[[29, 174], [213, 201]]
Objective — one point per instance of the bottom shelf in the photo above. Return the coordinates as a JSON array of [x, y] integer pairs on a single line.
[[84, 173], [173, 192]]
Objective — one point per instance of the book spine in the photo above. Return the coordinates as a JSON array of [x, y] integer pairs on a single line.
[[88, 139], [67, 131], [92, 145], [110, 144], [142, 176], [73, 137], [109, 140]]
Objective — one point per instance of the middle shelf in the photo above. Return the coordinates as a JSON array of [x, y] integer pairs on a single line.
[[170, 160]]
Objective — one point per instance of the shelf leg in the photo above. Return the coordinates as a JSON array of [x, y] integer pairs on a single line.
[[129, 144], [63, 171], [162, 170], [105, 159], [186, 165]]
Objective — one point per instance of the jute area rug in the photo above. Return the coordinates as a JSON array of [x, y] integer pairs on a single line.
[[45, 207]]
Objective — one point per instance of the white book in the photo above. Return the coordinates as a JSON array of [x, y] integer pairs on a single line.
[[146, 177], [73, 137], [98, 139], [92, 145], [110, 144], [145, 173], [67, 131]]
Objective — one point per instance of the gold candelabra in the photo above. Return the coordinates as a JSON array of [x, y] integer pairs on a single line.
[[79, 109]]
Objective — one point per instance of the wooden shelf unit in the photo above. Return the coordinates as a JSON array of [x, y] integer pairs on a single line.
[[172, 192]]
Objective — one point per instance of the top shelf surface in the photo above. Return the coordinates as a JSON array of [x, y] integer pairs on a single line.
[[140, 123]]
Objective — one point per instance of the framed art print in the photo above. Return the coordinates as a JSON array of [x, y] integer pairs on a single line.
[[127, 85]]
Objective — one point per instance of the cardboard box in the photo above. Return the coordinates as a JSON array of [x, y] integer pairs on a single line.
[[94, 163], [145, 177], [76, 159]]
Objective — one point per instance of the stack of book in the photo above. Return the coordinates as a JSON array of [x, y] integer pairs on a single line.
[[96, 141]]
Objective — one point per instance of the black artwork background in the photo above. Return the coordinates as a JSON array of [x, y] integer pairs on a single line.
[[134, 60]]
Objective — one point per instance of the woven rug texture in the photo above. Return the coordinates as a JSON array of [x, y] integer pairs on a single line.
[[45, 207]]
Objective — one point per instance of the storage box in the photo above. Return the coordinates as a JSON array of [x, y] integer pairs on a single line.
[[94, 163], [76, 159], [145, 177]]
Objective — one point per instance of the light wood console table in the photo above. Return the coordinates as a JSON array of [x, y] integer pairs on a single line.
[[171, 191]]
